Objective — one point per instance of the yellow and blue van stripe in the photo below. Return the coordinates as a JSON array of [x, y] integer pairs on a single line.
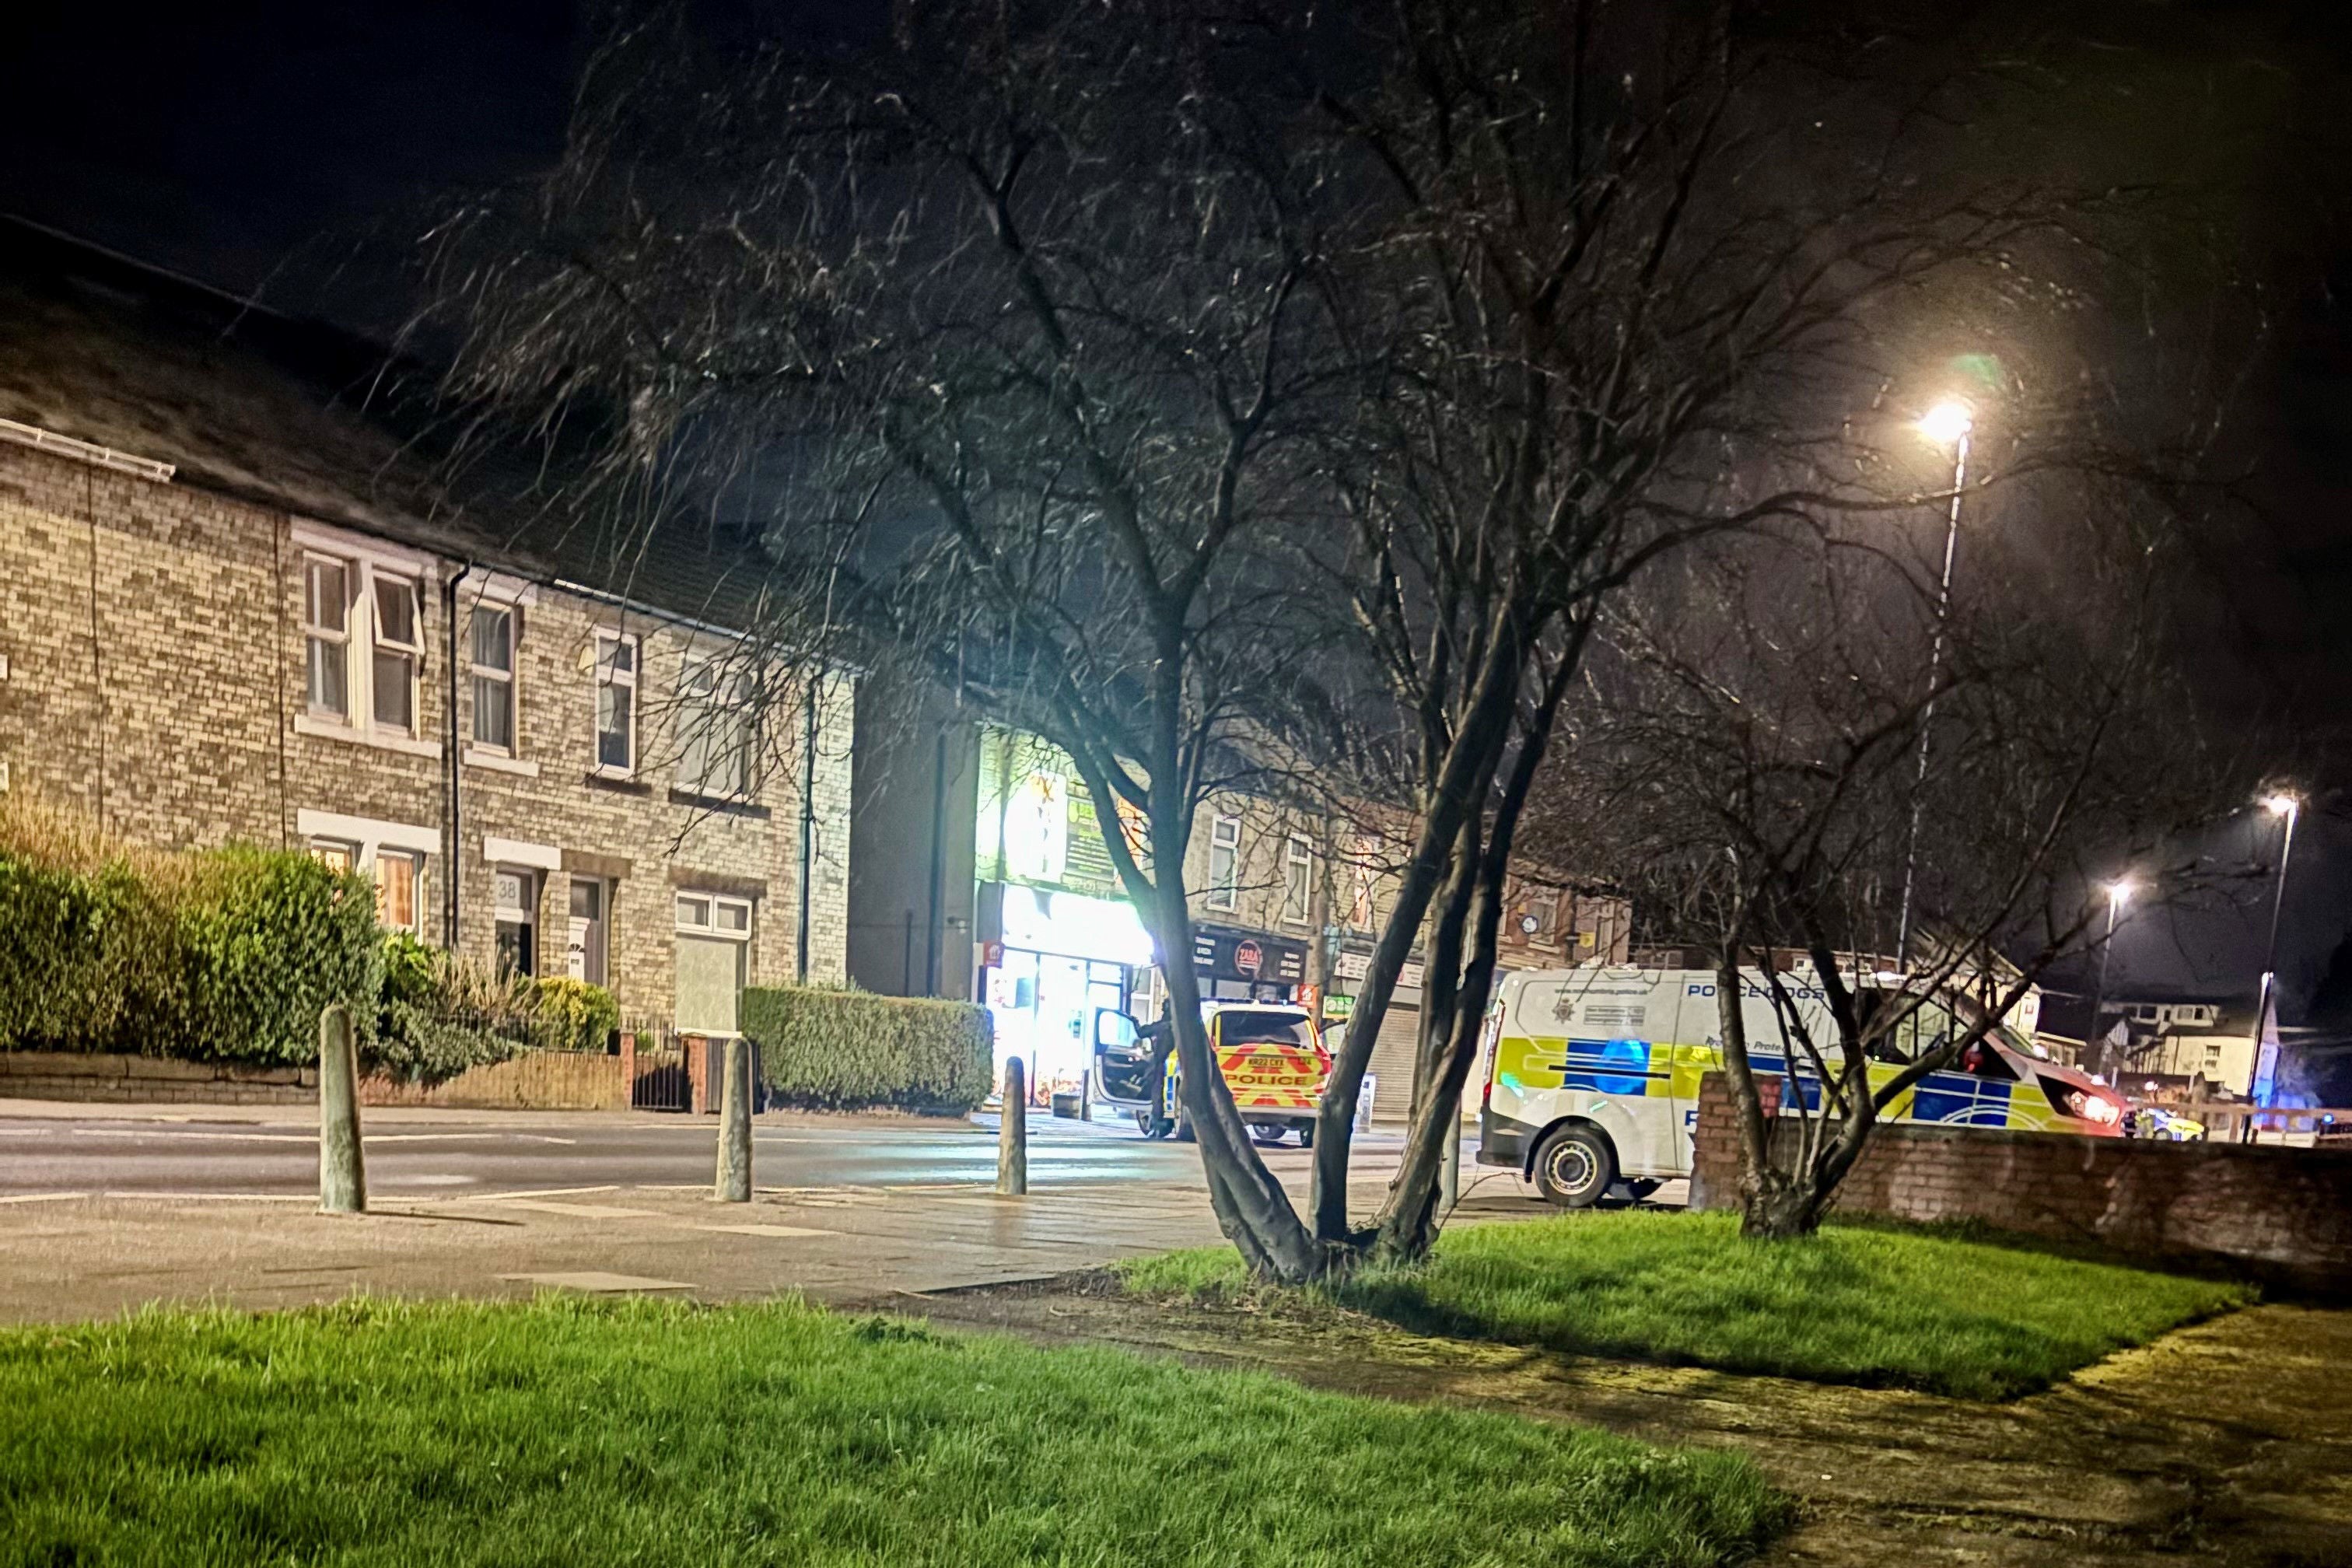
[[1663, 1069]]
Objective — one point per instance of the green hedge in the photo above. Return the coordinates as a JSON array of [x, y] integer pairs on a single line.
[[215, 955], [846, 1050]]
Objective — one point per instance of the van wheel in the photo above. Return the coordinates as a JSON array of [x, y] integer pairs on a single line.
[[1306, 1135], [1574, 1167]]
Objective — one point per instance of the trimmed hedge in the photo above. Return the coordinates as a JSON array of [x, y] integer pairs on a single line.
[[846, 1050], [214, 955]]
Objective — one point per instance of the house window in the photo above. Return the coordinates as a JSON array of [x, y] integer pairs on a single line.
[[336, 854], [1297, 880], [362, 640], [617, 703], [398, 652], [515, 898], [1224, 863], [399, 890], [493, 676], [714, 728], [326, 636]]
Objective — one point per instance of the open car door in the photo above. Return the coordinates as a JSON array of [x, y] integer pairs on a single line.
[[1126, 1065]]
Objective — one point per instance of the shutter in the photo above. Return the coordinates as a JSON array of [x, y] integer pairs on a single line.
[[710, 984], [1392, 1054]]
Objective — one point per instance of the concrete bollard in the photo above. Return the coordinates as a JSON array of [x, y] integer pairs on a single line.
[[1013, 1132], [734, 1183], [342, 1173]]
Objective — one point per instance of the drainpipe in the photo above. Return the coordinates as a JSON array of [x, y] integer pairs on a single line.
[[808, 822], [939, 861], [449, 824]]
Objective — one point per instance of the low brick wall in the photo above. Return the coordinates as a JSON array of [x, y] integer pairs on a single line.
[[47, 1075], [542, 1080], [2281, 1215]]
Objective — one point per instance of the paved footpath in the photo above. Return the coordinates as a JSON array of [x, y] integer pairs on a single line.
[[72, 1252]]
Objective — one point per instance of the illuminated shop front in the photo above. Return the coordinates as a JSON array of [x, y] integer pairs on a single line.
[[1060, 957], [1057, 938]]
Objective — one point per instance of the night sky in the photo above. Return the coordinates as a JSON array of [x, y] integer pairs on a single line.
[[291, 152]]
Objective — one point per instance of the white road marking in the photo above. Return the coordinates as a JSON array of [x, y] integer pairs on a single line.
[[596, 1281], [782, 1230], [431, 1179], [583, 1211], [218, 1197], [566, 1192], [372, 1138], [40, 1197]]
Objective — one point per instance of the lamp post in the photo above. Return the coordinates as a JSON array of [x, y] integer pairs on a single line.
[[2290, 808], [2119, 893], [1946, 424]]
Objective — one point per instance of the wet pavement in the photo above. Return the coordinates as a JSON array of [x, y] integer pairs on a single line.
[[189, 1150]]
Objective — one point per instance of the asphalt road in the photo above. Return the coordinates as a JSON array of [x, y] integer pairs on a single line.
[[276, 1152]]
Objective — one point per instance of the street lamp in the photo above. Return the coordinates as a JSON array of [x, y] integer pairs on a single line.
[[1948, 424], [2289, 808], [2119, 892]]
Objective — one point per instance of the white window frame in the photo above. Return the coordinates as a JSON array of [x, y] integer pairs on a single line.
[[322, 844], [364, 562], [1224, 891], [708, 924], [600, 676], [416, 862], [510, 678], [317, 632], [367, 838], [412, 651], [1298, 854], [713, 668]]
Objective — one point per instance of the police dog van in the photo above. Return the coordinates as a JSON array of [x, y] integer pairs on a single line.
[[1592, 1074]]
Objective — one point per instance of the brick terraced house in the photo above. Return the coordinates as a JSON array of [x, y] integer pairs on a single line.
[[236, 607]]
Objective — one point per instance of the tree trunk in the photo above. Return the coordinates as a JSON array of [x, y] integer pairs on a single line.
[[1461, 789], [1251, 1208]]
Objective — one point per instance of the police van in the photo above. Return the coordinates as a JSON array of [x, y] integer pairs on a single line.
[[1592, 1073]]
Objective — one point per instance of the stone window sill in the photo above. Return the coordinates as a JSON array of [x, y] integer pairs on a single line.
[[499, 763], [329, 729], [722, 805]]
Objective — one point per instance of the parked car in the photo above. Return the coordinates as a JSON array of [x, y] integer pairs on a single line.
[[1268, 1052]]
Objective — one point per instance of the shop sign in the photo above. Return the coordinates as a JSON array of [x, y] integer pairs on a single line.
[[1352, 966], [1338, 1009], [1231, 955], [1108, 929]]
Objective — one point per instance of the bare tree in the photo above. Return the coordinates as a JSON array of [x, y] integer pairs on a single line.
[[1643, 270], [1747, 767], [1215, 395]]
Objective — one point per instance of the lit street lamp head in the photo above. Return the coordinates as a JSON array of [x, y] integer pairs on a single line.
[[2280, 805], [1946, 423], [2119, 892]]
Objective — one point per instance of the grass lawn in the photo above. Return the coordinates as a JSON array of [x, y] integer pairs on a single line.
[[568, 1432], [1869, 1305]]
